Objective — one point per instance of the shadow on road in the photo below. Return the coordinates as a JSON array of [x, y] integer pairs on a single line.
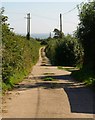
[[57, 77], [81, 99]]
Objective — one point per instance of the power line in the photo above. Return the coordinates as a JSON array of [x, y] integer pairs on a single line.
[[44, 17], [70, 22], [48, 17], [69, 11], [73, 8], [14, 12]]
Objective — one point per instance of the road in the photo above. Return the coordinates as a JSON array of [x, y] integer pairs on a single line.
[[36, 97]]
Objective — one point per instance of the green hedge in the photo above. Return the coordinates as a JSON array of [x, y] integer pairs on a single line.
[[19, 54], [67, 51]]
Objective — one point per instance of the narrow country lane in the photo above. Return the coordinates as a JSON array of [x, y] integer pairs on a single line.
[[36, 97]]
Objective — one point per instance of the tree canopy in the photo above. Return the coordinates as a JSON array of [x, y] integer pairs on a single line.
[[86, 33], [58, 33]]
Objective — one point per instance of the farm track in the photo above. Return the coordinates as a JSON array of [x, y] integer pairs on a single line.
[[36, 97]]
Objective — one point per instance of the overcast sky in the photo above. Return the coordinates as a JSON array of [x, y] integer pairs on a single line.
[[44, 15]]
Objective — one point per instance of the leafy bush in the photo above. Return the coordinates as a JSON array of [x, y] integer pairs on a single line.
[[86, 33], [67, 51], [48, 79], [19, 54], [86, 76]]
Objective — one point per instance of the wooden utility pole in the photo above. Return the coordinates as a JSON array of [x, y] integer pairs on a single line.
[[60, 22], [28, 26], [61, 25], [50, 35]]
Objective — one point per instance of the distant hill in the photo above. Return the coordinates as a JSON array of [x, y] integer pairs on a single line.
[[39, 35]]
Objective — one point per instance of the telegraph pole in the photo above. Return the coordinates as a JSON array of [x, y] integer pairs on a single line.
[[28, 26], [60, 22], [61, 25], [50, 35]]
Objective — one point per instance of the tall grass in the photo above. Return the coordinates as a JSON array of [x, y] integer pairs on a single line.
[[86, 76]]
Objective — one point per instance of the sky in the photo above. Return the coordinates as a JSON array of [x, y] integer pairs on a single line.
[[44, 15]]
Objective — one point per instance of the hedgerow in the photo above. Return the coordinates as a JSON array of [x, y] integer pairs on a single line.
[[18, 56], [66, 51]]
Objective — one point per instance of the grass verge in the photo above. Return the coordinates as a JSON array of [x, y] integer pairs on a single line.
[[48, 79], [70, 69], [85, 76], [19, 55]]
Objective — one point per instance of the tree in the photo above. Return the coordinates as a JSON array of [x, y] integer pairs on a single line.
[[86, 33], [3, 23], [3, 18], [67, 51], [58, 34]]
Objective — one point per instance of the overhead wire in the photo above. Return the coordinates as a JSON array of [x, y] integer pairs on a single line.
[[69, 11], [73, 8], [45, 16], [49, 18]]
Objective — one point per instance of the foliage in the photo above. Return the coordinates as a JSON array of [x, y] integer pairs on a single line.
[[58, 34], [3, 17], [86, 33], [67, 51], [19, 54], [86, 76], [70, 69], [48, 79], [44, 42]]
